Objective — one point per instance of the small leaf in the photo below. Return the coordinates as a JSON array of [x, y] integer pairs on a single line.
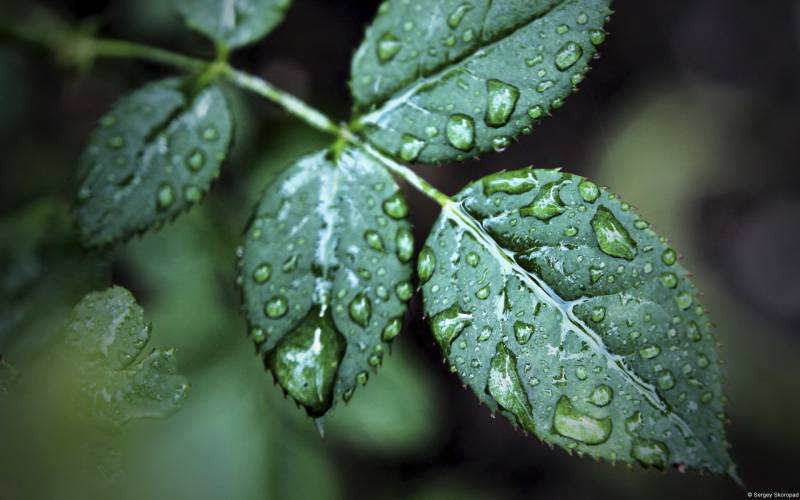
[[105, 337], [449, 79], [568, 314], [233, 23], [325, 275], [153, 156]]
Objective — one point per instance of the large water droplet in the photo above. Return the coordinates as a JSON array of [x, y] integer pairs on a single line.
[[374, 239], [523, 332], [426, 264], [395, 206], [669, 280], [684, 300], [262, 273], [410, 147], [165, 196], [455, 17], [404, 290], [447, 325], [404, 242], [506, 388], [571, 423], [547, 203], [473, 259], [650, 452], [276, 307], [612, 237], [513, 182], [589, 191], [665, 380], [669, 257], [502, 99], [195, 160], [305, 362], [392, 329], [597, 36], [650, 352], [360, 309], [601, 395], [460, 132], [388, 47], [568, 55]]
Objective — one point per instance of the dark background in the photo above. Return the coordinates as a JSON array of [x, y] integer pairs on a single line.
[[690, 114]]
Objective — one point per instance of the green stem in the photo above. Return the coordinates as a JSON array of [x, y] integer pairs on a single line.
[[80, 49]]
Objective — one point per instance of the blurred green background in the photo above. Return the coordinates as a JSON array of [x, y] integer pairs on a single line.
[[691, 115]]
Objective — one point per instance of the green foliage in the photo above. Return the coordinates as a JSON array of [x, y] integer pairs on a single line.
[[325, 272], [560, 307], [233, 23], [152, 156], [106, 339], [448, 80]]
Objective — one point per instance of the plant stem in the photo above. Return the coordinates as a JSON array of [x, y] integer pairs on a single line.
[[81, 49], [287, 101]]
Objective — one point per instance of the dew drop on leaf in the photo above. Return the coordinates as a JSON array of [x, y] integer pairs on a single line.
[[571, 423]]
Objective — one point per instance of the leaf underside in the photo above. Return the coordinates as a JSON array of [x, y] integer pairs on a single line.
[[451, 79], [558, 306], [106, 338], [151, 157], [325, 275], [233, 23]]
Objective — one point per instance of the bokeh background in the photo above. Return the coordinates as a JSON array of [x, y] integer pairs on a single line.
[[691, 114]]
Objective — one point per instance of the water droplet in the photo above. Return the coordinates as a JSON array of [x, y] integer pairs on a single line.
[[568, 55], [404, 242], [426, 264], [702, 361], [410, 147], [570, 231], [581, 373], [455, 17], [362, 378], [116, 142], [536, 112], [500, 144], [258, 335], [547, 203], [582, 18], [360, 309], [597, 36], [571, 423], [601, 395], [195, 160], [665, 380], [262, 273], [706, 397], [395, 206], [375, 360], [108, 121], [374, 239], [634, 422], [650, 352], [165, 196], [305, 362], [669, 257], [447, 326], [483, 292], [544, 85], [513, 182], [595, 274], [388, 47], [404, 291], [502, 99], [523, 332], [562, 28], [392, 329], [276, 307], [193, 194], [589, 191], [473, 259], [486, 333], [506, 388], [650, 452], [612, 237], [460, 132], [669, 280], [468, 35], [683, 300], [210, 134], [598, 314], [290, 264]]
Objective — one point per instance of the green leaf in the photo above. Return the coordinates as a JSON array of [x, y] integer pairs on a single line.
[[560, 307], [233, 23], [153, 156], [325, 272], [106, 338], [449, 79]]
